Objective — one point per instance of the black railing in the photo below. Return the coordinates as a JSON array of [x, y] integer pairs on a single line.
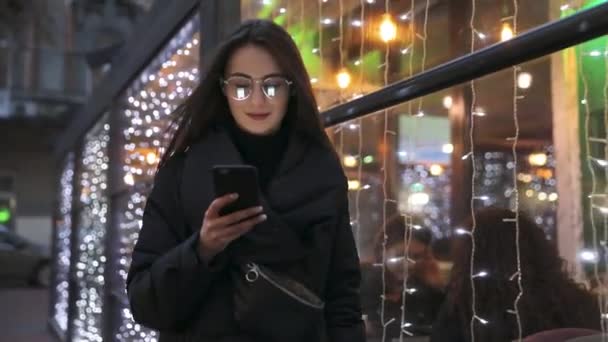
[[538, 42]]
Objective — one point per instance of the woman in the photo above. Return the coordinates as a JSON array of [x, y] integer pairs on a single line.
[[551, 299], [187, 279]]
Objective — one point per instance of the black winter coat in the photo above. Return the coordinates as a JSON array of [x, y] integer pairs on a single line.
[[307, 235]]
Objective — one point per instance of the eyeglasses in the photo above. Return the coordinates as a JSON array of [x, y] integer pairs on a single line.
[[241, 87]]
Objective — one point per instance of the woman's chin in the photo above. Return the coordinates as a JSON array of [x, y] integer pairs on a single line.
[[261, 130]]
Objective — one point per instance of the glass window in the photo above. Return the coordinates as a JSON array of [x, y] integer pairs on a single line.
[[410, 168], [403, 166]]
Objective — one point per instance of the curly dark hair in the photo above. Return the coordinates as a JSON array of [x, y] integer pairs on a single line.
[[551, 298]]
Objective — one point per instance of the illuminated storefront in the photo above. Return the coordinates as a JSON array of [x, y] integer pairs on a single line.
[[412, 159]]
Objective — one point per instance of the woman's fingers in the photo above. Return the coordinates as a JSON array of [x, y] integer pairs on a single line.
[[238, 216], [233, 232], [216, 206]]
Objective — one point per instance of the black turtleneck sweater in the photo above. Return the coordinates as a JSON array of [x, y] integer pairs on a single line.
[[265, 152]]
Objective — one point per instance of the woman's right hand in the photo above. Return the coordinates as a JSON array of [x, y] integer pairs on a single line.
[[217, 232]]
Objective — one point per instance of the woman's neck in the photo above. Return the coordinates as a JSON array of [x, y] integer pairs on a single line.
[[265, 152]]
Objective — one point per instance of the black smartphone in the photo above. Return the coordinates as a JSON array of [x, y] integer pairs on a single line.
[[239, 179]]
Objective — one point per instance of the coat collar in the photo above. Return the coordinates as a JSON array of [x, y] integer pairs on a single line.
[[227, 153]]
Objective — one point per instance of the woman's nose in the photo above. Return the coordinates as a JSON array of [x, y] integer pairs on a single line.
[[257, 96]]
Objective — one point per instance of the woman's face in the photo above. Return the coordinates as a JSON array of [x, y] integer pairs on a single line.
[[256, 89]]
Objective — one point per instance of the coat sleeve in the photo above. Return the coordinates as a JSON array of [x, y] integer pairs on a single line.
[[343, 296], [167, 282]]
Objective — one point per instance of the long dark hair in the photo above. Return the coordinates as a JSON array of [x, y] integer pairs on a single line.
[[551, 298], [207, 105]]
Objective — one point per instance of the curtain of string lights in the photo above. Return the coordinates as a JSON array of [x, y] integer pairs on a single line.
[[146, 126], [91, 227], [63, 226]]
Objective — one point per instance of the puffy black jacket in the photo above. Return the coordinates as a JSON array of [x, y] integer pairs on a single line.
[[307, 235]]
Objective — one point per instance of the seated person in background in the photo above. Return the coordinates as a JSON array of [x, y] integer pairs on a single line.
[[425, 288], [551, 298]]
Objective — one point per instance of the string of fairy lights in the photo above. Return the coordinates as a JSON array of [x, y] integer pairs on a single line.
[[91, 233], [319, 49], [591, 164], [475, 113], [604, 317], [515, 193], [388, 33], [407, 219], [340, 39], [474, 316], [62, 240], [405, 290], [147, 112], [359, 126]]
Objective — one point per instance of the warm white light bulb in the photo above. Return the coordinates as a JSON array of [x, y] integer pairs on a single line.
[[588, 256], [419, 198], [506, 33], [481, 274], [354, 184], [388, 29], [524, 80], [462, 231], [343, 79], [350, 161], [151, 158], [595, 53], [537, 159], [601, 162], [482, 321], [479, 112], [448, 102]]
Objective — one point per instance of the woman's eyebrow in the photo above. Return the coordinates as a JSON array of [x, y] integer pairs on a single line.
[[274, 74]]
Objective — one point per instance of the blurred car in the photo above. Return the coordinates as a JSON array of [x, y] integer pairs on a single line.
[[23, 262]]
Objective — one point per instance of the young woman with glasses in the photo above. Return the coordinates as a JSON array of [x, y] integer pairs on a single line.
[[287, 270]]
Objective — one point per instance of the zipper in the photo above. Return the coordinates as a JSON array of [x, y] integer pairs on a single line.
[[254, 271]]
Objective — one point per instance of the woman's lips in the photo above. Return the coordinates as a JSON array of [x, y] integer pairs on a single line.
[[258, 116]]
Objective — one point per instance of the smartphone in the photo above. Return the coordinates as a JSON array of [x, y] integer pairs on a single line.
[[239, 179]]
